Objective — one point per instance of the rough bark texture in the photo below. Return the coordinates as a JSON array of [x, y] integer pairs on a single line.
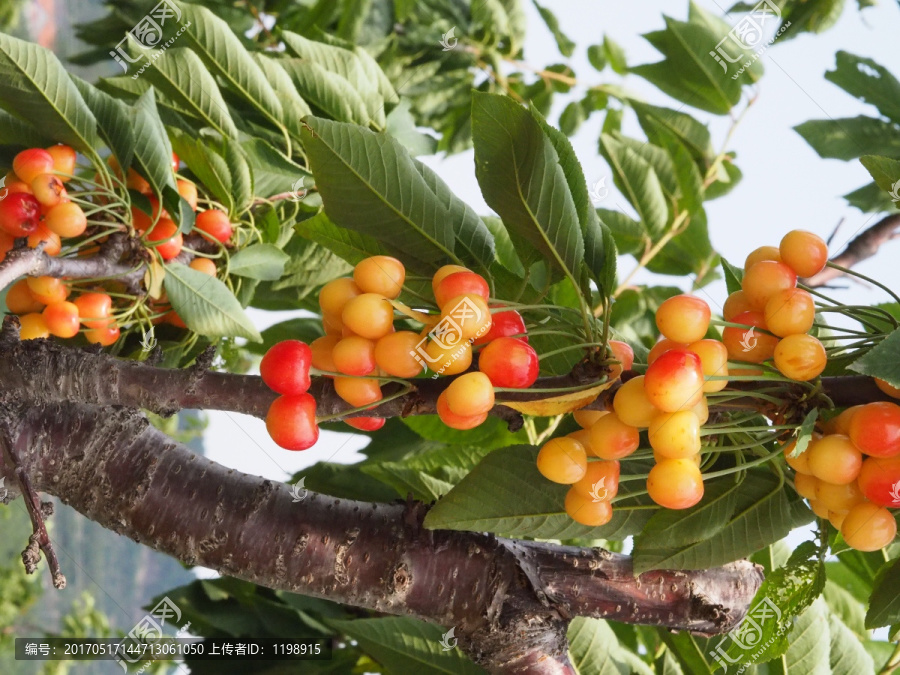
[[510, 600]]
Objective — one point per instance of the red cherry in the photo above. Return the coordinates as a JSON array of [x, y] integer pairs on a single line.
[[675, 380], [166, 231], [460, 283], [285, 367], [505, 324], [365, 423], [214, 223], [31, 163], [879, 480], [291, 422], [510, 363], [20, 214]]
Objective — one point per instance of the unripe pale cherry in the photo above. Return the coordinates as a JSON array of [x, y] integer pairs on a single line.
[[585, 510], [839, 497], [583, 436], [675, 435], [764, 280], [448, 359], [683, 318], [841, 423], [470, 394], [623, 353], [204, 265], [454, 421], [806, 485], [31, 163], [380, 274], [800, 357], [354, 356], [675, 483], [789, 312], [20, 299], [868, 527], [834, 459], [48, 190], [714, 362], [611, 438], [760, 254], [358, 391], [63, 161], [800, 463], [335, 295], [68, 220], [736, 303], [443, 273], [631, 404], [661, 347], [105, 336], [61, 319], [804, 251], [395, 354], [32, 326], [600, 480], [370, 315], [562, 460], [586, 418], [94, 309], [47, 289], [674, 381], [50, 240], [470, 313], [749, 344], [320, 353]]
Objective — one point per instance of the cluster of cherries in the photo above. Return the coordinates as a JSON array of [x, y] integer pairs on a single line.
[[36, 206], [851, 472], [362, 347]]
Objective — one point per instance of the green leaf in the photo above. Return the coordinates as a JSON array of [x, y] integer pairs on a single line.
[[845, 606], [805, 432], [784, 594], [402, 125], [688, 652], [871, 199], [868, 81], [808, 653], [571, 118], [615, 55], [345, 481], [629, 234], [882, 361], [34, 86], [370, 184], [563, 43], [847, 654], [657, 122], [405, 645], [180, 74], [223, 53], [849, 138], [520, 176], [489, 499], [241, 177], [349, 245], [273, 172], [206, 305], [506, 252], [492, 433], [208, 165], [330, 94], [884, 603], [113, 120], [638, 182], [303, 329], [152, 149], [310, 266], [733, 276], [593, 646], [260, 261], [597, 57], [886, 173], [297, 108], [20, 133], [763, 514]]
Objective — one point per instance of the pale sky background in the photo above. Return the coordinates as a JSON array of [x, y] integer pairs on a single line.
[[785, 185]]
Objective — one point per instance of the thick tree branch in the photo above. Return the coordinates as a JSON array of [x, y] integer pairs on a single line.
[[860, 248], [509, 600]]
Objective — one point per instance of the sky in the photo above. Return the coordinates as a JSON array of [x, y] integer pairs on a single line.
[[785, 184]]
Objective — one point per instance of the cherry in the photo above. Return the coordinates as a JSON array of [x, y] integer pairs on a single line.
[[333, 325], [838, 497], [584, 510], [683, 318], [562, 460], [454, 421], [285, 367], [466, 315], [189, 192], [841, 423], [806, 485], [737, 303], [888, 389], [675, 381], [764, 280], [214, 224], [395, 354], [470, 394], [169, 239], [448, 359], [105, 336], [800, 463], [868, 527], [509, 363], [354, 356], [583, 436], [623, 353], [358, 391], [50, 240], [176, 162], [335, 295], [365, 423], [321, 350], [205, 265], [291, 422], [586, 418], [744, 344], [789, 312], [675, 483], [61, 319], [33, 326], [504, 324], [800, 357], [760, 254], [600, 481], [875, 429], [804, 251], [879, 480], [47, 289], [20, 214], [632, 405], [63, 161], [675, 435], [370, 315], [48, 190], [611, 438], [380, 274], [445, 272], [66, 219], [94, 309], [834, 459], [7, 241], [31, 163], [714, 362], [460, 283], [661, 347], [20, 299], [701, 410]]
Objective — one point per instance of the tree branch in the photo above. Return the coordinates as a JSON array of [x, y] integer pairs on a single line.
[[860, 248], [510, 601]]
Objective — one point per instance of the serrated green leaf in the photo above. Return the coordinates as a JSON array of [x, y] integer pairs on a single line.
[[273, 172], [868, 81], [804, 433], [347, 244], [630, 235], [405, 645], [882, 361], [563, 43], [871, 199], [520, 176], [733, 276], [847, 655], [763, 515], [809, 650], [330, 94], [260, 261], [657, 120], [221, 50], [241, 177], [849, 138], [844, 605], [370, 184], [592, 646], [34, 86], [181, 75], [884, 603], [506, 252], [152, 149], [489, 499], [292, 102], [113, 120], [886, 173], [402, 125], [310, 266], [206, 305], [638, 182], [686, 649], [208, 165]]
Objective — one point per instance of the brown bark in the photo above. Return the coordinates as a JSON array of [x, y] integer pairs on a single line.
[[509, 600]]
